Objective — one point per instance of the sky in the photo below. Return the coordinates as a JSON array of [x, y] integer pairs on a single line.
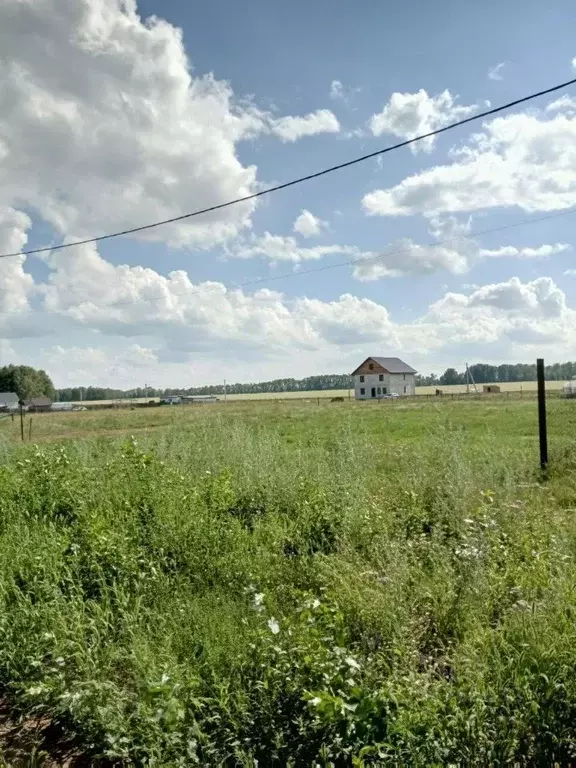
[[116, 114]]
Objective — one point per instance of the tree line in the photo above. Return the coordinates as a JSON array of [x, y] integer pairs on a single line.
[[484, 373], [28, 382]]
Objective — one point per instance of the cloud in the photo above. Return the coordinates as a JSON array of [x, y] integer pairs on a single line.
[[510, 251], [411, 114], [343, 93], [574, 63], [495, 72], [308, 225], [290, 128], [521, 160], [16, 286], [91, 363], [565, 104], [570, 272], [145, 325], [135, 301], [455, 252], [278, 248], [508, 320], [514, 315], [336, 90], [114, 130]]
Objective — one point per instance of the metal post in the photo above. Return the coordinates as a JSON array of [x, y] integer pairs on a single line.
[[30, 429], [542, 413], [21, 404]]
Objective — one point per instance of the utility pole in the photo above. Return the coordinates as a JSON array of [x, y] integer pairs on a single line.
[[225, 392], [470, 378]]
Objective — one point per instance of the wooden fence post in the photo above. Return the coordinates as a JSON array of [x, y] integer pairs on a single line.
[[542, 430]]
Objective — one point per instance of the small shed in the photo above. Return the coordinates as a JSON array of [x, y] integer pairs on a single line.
[[491, 389], [8, 401], [40, 404]]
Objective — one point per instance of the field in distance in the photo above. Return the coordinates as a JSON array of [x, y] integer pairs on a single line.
[[513, 386]]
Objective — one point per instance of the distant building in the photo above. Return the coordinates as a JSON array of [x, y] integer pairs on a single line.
[[40, 404], [8, 401], [198, 399], [171, 400], [379, 377], [491, 389]]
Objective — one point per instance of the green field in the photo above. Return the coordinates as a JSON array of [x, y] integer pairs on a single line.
[[299, 585]]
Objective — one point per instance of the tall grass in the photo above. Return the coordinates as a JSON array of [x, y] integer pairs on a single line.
[[243, 592]]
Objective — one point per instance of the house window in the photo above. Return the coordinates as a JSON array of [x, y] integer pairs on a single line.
[[404, 380], [383, 390], [379, 391], [362, 379], [362, 391], [371, 366], [404, 390], [381, 377]]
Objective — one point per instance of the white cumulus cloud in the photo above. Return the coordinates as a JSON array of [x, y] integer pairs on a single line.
[[291, 128], [308, 225], [411, 114], [523, 160], [510, 251], [104, 126], [16, 285], [454, 252], [278, 248]]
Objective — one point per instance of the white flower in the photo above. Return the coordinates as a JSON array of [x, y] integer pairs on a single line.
[[273, 626], [258, 598], [352, 662]]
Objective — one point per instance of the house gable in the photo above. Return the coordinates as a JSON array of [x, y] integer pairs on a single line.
[[390, 365], [366, 369]]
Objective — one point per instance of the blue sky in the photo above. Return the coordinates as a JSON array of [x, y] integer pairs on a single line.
[[105, 130]]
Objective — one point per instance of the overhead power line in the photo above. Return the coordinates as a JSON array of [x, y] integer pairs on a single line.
[[349, 262], [299, 180]]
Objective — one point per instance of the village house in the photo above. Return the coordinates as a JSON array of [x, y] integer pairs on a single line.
[[8, 401], [379, 377], [40, 404]]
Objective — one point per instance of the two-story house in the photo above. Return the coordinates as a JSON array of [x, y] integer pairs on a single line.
[[383, 376]]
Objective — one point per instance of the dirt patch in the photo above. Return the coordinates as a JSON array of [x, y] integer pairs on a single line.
[[29, 742]]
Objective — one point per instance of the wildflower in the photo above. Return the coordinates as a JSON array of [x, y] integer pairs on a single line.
[[273, 626]]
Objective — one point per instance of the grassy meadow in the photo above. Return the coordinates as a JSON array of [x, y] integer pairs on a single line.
[[349, 584]]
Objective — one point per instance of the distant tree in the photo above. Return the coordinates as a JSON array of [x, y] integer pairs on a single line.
[[27, 382], [450, 376]]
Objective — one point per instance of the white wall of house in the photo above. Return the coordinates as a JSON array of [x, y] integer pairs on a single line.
[[383, 384]]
